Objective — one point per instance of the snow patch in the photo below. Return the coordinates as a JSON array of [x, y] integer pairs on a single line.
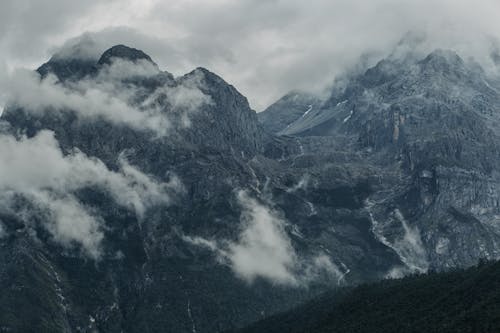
[[312, 209], [190, 315], [308, 110], [255, 178], [343, 275], [426, 174], [346, 119], [296, 231]]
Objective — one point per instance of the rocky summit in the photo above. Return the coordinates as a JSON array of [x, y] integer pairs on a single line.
[[213, 217]]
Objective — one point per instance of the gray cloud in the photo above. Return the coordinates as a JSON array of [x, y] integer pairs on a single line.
[[29, 29], [265, 48], [50, 185]]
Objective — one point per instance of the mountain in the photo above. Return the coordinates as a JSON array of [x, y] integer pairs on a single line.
[[435, 120], [125, 53], [287, 110], [458, 301], [139, 201], [186, 146]]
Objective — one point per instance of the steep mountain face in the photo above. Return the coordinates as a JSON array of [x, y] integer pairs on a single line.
[[436, 119], [233, 127], [157, 282], [163, 205], [179, 213]]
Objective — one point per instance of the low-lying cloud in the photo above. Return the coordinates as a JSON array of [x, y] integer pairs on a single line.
[[51, 184], [183, 99], [264, 250], [107, 96]]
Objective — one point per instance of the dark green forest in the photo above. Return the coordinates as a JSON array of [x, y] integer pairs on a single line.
[[456, 301]]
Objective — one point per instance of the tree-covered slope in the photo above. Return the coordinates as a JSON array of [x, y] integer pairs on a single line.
[[458, 301]]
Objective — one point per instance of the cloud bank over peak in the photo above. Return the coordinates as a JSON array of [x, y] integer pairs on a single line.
[[265, 48], [109, 94]]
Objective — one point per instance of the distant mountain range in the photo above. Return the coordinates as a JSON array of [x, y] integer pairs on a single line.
[[174, 207]]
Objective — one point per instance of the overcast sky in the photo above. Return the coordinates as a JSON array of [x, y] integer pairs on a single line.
[[264, 47]]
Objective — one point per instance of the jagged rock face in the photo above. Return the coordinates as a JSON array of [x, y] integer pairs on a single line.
[[437, 120], [421, 106], [123, 52], [227, 122]]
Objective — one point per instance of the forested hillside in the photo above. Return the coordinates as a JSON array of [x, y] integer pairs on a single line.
[[458, 301]]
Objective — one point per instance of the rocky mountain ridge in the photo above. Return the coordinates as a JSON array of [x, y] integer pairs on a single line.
[[394, 173], [437, 120]]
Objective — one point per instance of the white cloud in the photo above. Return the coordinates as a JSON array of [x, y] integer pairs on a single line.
[[25, 89], [264, 250], [145, 192], [183, 99], [121, 69], [51, 181], [202, 242], [322, 265], [70, 222], [106, 96], [407, 244], [410, 249]]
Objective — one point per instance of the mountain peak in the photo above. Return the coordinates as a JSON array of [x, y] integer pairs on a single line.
[[76, 61], [123, 52], [443, 60]]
